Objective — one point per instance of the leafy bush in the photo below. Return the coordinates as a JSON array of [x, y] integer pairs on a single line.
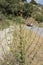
[[27, 10], [16, 8], [33, 2], [39, 18]]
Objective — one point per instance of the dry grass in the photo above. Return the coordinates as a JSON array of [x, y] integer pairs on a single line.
[[32, 47], [32, 43]]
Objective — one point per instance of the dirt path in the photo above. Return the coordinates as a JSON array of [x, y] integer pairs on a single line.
[[37, 30]]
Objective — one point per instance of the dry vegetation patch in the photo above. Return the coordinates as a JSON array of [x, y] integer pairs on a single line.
[[26, 42]]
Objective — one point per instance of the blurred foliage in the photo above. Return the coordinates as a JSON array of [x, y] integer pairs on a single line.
[[39, 18], [15, 7], [33, 2]]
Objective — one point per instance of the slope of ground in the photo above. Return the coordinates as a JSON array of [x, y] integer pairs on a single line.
[[32, 45]]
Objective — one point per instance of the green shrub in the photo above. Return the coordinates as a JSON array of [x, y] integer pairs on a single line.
[[27, 10], [39, 18]]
